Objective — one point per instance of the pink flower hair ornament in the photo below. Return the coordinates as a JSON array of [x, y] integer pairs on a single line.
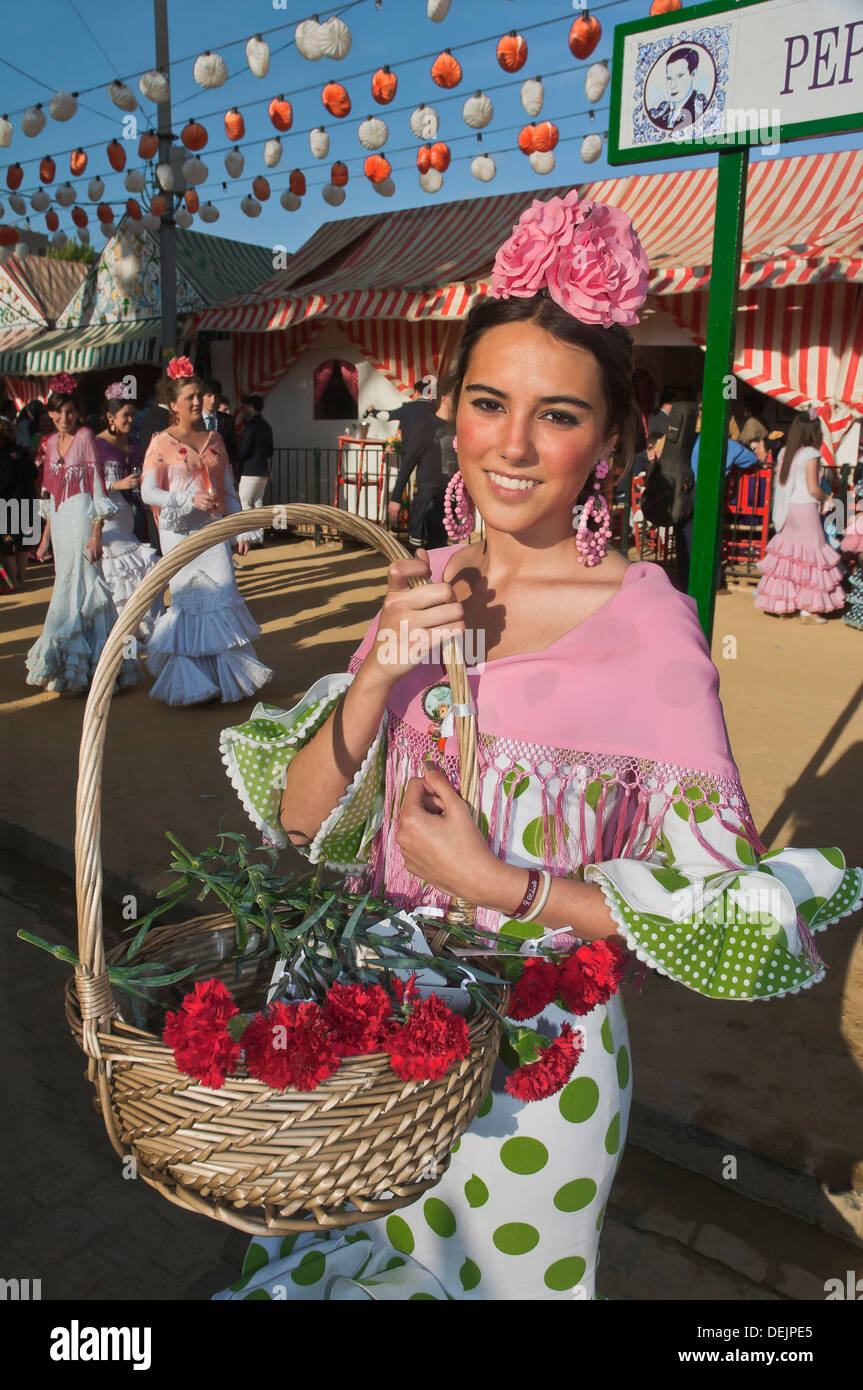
[[586, 256], [179, 367], [114, 392], [63, 384]]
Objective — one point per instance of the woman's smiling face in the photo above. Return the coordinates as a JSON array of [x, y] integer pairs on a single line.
[[531, 425]]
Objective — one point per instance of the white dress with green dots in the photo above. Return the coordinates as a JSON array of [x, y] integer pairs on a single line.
[[518, 1213]]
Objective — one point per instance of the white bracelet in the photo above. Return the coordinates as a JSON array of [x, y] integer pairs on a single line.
[[541, 898]]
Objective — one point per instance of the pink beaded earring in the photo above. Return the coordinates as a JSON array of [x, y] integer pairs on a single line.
[[592, 543], [458, 508]]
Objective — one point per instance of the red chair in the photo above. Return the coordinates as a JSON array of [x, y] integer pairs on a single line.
[[361, 463]]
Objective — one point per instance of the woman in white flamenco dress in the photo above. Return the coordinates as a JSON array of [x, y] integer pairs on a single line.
[[125, 559], [202, 647]]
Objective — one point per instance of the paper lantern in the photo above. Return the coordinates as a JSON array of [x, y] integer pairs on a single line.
[[194, 136], [373, 133], [483, 167], [235, 126], [664, 6], [5, 253], [527, 138], [377, 168], [148, 145], [386, 188], [281, 113], [261, 188], [546, 136], [79, 217], [542, 161], [209, 213], [337, 38], [183, 218], [122, 96], [210, 70], [5, 132], [313, 40], [512, 51], [591, 148], [63, 106], [47, 169], [336, 100], [532, 95], [258, 56], [339, 174], [250, 207], [332, 194], [477, 111], [437, 10], [235, 163], [596, 80], [191, 199], [319, 142], [154, 85], [195, 170], [22, 250], [134, 209], [116, 156], [431, 181], [446, 70], [424, 122], [424, 159], [33, 120], [150, 222], [17, 204], [77, 162], [104, 213], [65, 195], [95, 189], [59, 240], [384, 86], [273, 152], [440, 156], [135, 181], [8, 235], [297, 182], [14, 175], [40, 200], [291, 201], [165, 177], [584, 35]]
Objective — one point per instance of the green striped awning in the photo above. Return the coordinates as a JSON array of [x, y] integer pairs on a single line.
[[86, 349], [13, 343]]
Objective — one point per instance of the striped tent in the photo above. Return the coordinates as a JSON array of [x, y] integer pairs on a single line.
[[33, 292]]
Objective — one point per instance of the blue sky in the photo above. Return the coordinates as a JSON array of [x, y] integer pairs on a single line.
[[78, 44]]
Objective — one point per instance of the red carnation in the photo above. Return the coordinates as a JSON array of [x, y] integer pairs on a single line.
[[550, 1072], [424, 1048], [404, 991], [536, 988], [591, 975], [289, 1047], [355, 1016], [197, 1034]]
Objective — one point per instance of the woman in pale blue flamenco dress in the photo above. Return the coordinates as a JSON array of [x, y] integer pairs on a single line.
[[82, 611], [604, 762]]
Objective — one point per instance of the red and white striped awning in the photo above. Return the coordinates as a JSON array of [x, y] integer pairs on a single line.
[[804, 225]]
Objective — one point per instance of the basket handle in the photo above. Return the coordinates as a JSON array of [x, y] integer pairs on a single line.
[[94, 990]]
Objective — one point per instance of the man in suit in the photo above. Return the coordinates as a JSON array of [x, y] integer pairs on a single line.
[[658, 422], [256, 452], [684, 105], [411, 415], [215, 419]]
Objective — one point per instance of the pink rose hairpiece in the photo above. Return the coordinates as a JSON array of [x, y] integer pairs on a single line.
[[114, 392], [586, 256], [180, 367], [63, 384]]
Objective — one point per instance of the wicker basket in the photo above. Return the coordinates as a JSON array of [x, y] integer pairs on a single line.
[[264, 1161]]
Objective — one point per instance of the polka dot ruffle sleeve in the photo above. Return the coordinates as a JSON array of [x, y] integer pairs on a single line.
[[257, 754], [710, 913]]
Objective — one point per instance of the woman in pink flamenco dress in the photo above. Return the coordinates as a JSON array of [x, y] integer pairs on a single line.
[[800, 572]]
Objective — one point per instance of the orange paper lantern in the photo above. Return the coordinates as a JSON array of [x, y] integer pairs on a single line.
[[512, 51], [8, 235], [440, 156], [281, 113], [446, 70], [77, 162], [194, 136], [52, 221], [297, 182], [527, 138], [584, 35], [104, 213], [158, 205], [47, 169], [665, 6], [336, 100], [424, 158], [116, 156], [339, 174], [235, 126], [14, 175], [79, 217], [546, 136], [261, 188], [148, 145], [191, 199], [134, 210], [377, 168], [384, 85]]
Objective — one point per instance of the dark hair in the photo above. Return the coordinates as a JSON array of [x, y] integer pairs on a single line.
[[172, 386], [212, 387], [60, 398], [115, 403], [419, 386], [7, 405], [684, 55], [256, 402], [611, 347], [666, 398], [802, 434]]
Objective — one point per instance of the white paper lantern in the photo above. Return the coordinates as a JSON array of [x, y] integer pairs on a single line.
[[5, 132], [183, 218], [40, 201], [22, 250], [309, 40], [83, 235], [542, 161], [63, 106], [596, 80], [210, 70], [290, 201], [431, 181], [155, 86], [251, 207], [386, 187], [483, 167], [165, 177], [332, 39], [337, 38], [122, 96], [17, 204], [591, 148], [437, 10], [95, 189], [532, 95], [135, 181], [109, 229], [208, 213], [333, 195], [194, 170], [258, 59], [373, 133], [59, 239], [425, 123], [150, 222], [235, 162], [319, 142], [65, 195], [477, 111], [33, 121], [273, 150]]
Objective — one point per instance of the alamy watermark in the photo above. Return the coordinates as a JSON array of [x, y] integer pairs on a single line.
[[21, 517], [756, 125]]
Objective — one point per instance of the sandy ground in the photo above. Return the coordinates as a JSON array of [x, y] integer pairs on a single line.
[[782, 1081]]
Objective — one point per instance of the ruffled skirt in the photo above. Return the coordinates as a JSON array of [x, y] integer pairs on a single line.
[[125, 562], [799, 570], [852, 541], [853, 614]]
